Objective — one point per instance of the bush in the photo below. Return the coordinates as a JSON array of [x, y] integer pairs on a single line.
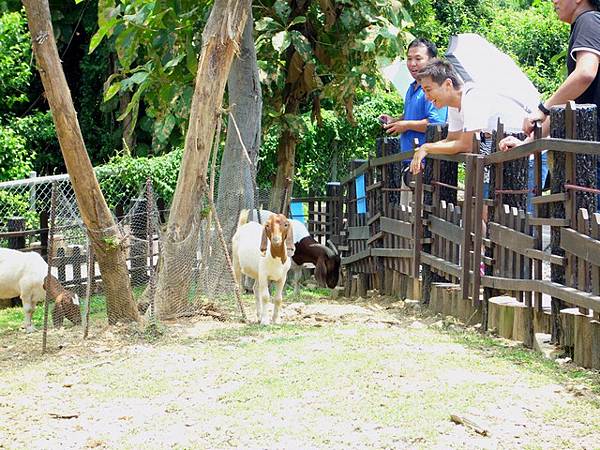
[[15, 158], [15, 54], [124, 177]]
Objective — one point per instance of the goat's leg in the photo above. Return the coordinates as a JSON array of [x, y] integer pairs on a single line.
[[258, 302], [277, 300], [28, 309], [264, 297]]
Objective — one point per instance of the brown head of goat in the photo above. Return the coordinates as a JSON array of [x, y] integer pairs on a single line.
[[278, 230], [66, 303]]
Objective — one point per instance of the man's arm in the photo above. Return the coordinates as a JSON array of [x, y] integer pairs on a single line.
[[456, 142], [576, 84]]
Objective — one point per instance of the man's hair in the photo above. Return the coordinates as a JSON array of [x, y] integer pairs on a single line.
[[430, 46], [440, 70], [595, 3]]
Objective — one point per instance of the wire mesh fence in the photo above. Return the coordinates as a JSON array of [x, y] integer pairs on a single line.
[[168, 276]]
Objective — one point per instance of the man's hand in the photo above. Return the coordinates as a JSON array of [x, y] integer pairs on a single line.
[[509, 142], [529, 122], [395, 127], [420, 154]]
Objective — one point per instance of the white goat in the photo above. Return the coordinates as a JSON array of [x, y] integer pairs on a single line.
[[23, 274], [263, 252]]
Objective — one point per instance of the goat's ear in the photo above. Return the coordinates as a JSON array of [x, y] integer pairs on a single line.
[[263, 242], [289, 240]]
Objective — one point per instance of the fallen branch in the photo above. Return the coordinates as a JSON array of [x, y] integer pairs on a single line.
[[469, 424]]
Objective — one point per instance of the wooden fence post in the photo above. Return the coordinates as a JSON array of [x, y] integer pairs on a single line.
[[334, 211], [570, 122], [449, 175], [16, 224]]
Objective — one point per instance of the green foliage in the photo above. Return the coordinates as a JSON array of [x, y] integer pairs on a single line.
[[14, 204], [533, 37], [15, 158], [437, 20], [157, 45], [124, 176], [15, 53], [328, 148], [37, 129]]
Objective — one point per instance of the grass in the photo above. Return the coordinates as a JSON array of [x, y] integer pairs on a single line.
[[528, 359], [296, 385]]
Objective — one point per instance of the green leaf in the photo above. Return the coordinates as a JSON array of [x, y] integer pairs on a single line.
[[174, 61], [282, 9], [302, 45], [163, 128], [281, 41], [96, 39], [297, 20], [267, 23], [112, 90]]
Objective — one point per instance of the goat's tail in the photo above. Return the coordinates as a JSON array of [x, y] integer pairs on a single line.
[[243, 219]]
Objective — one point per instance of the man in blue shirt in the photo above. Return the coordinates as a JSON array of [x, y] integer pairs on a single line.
[[418, 111]]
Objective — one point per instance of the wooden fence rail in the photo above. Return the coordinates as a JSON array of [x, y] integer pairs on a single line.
[[541, 248]]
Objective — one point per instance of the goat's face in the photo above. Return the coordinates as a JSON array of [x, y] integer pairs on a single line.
[[278, 230], [327, 270], [66, 305]]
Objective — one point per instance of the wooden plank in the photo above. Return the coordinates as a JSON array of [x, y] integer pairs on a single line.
[[441, 265], [580, 245], [375, 238], [397, 227], [511, 239], [392, 252], [567, 294], [373, 186], [553, 222], [553, 198], [361, 232], [356, 257], [374, 218], [446, 230], [595, 234]]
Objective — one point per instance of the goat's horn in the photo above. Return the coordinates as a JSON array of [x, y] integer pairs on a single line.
[[333, 247]]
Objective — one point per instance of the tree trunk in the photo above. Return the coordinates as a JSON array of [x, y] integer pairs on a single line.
[[286, 160], [245, 98], [103, 232], [220, 40]]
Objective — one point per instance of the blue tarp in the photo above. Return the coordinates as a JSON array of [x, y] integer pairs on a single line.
[[297, 211], [361, 199]]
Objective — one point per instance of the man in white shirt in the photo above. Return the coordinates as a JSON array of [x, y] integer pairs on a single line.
[[471, 110]]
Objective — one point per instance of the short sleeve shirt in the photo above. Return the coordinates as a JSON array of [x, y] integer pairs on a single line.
[[481, 109], [585, 36], [417, 107]]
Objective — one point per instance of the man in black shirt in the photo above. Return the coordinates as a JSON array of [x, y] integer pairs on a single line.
[[583, 62]]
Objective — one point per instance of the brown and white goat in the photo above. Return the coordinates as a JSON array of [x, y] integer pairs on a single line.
[[262, 252], [326, 259], [66, 303], [23, 274]]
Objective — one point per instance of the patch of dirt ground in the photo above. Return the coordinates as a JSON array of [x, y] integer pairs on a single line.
[[361, 374]]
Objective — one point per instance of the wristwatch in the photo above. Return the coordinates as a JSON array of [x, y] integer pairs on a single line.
[[543, 109]]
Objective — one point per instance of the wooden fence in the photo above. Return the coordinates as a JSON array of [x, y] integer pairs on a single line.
[[547, 260]]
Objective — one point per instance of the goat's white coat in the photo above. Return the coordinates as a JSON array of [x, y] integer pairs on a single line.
[[300, 231], [248, 260], [22, 275]]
